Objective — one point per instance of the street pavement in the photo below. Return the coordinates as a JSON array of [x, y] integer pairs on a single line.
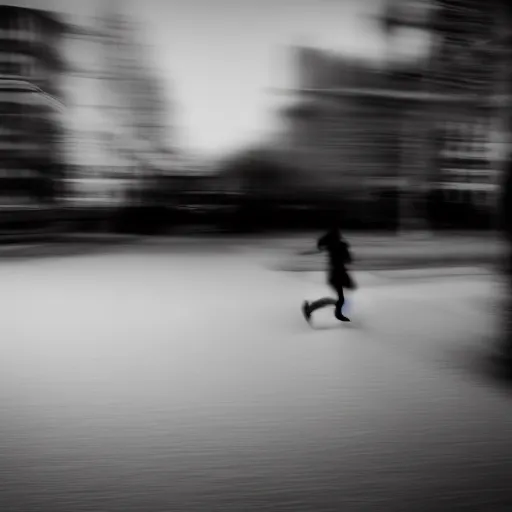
[[157, 380], [282, 252]]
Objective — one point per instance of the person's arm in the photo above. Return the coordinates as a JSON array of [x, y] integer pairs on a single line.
[[319, 248], [309, 252], [322, 243]]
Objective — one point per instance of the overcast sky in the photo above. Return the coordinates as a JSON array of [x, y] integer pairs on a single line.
[[222, 57]]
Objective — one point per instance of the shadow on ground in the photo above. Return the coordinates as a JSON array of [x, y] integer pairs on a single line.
[[485, 363]]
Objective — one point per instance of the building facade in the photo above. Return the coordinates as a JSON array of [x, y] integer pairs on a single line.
[[31, 135], [114, 141], [465, 60], [345, 128], [98, 170], [467, 170], [83, 113], [359, 131]]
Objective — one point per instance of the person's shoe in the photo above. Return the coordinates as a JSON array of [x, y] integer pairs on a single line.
[[341, 317], [306, 311]]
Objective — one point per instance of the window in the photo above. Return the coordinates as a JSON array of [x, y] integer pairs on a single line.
[[24, 27], [10, 107], [34, 30], [10, 64], [12, 25], [16, 26], [29, 27], [29, 67], [21, 31]]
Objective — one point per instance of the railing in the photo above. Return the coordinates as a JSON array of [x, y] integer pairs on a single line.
[[418, 96], [13, 85]]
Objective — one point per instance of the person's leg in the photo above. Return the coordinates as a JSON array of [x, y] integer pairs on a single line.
[[322, 303], [309, 307], [339, 305]]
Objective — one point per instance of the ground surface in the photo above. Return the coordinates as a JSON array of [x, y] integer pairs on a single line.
[[183, 378], [282, 251]]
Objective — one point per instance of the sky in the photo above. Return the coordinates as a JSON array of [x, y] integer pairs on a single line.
[[220, 60]]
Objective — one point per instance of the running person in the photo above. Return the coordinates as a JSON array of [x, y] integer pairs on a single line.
[[338, 277]]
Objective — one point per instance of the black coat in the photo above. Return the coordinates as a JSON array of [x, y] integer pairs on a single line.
[[339, 255]]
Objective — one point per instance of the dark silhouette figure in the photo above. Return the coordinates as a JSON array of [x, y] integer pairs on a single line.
[[338, 277]]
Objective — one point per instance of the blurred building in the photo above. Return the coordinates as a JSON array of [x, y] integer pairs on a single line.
[[116, 113], [98, 167], [356, 129], [135, 84], [30, 50], [465, 62], [467, 168], [31, 134], [346, 125]]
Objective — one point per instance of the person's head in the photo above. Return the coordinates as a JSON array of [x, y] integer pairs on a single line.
[[334, 231]]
